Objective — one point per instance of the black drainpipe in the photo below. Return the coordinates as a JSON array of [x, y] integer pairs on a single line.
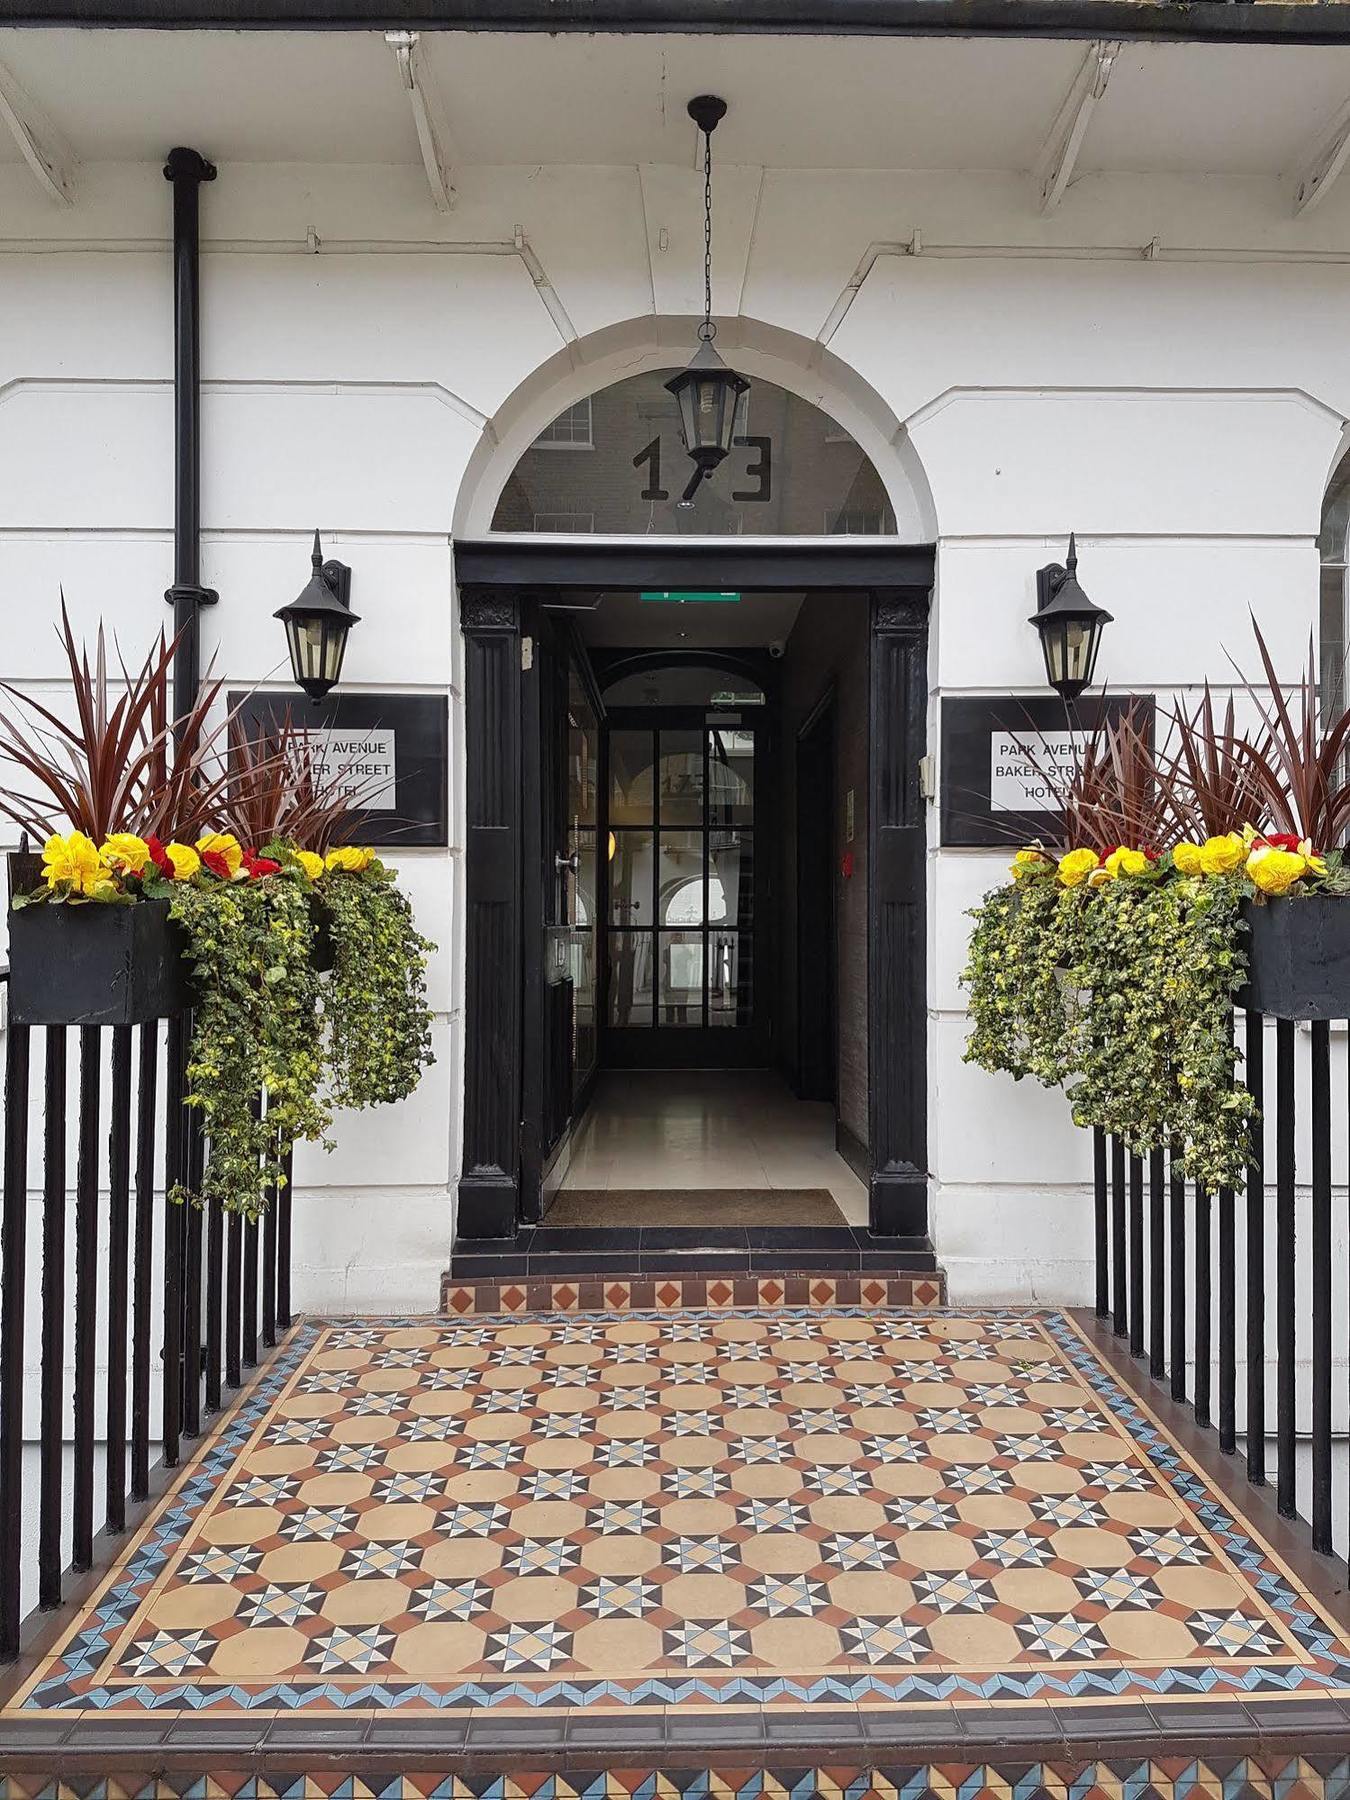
[[187, 170]]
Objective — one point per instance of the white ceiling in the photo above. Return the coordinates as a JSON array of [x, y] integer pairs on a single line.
[[809, 102]]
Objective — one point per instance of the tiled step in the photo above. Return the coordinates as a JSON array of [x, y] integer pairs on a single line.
[[463, 1296]]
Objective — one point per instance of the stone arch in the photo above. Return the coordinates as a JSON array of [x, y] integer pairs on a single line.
[[798, 364]]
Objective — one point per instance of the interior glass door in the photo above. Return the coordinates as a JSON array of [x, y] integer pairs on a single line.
[[680, 913]]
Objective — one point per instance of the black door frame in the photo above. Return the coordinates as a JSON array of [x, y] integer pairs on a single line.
[[497, 582]]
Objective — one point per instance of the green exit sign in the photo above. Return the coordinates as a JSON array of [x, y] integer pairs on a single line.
[[691, 597]]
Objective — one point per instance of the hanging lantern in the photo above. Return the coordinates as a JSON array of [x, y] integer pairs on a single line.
[[707, 393], [317, 622], [1070, 627]]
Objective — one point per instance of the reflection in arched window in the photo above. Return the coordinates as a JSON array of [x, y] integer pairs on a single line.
[[1331, 543], [794, 472]]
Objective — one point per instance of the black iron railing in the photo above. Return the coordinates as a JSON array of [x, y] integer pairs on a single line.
[[1185, 1278], [157, 1284]]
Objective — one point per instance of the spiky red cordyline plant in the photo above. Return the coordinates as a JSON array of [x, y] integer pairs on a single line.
[[1298, 766], [1111, 794], [277, 789], [117, 768], [1207, 772]]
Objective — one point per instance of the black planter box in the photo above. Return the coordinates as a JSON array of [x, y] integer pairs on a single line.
[[1299, 957], [92, 965]]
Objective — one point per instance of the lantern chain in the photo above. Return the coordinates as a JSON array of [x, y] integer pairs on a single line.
[[707, 331]]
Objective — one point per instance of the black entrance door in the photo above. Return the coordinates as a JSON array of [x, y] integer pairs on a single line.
[[560, 891], [685, 892]]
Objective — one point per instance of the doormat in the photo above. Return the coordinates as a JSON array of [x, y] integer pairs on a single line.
[[695, 1206]]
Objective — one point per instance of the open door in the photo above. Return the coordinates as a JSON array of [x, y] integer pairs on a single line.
[[561, 804]]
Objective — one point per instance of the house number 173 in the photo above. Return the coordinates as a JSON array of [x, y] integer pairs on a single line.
[[759, 469]]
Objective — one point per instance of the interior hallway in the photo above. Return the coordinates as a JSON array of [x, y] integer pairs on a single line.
[[728, 1129]]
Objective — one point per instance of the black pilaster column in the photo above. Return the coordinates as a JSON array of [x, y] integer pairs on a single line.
[[897, 1009], [489, 1187]]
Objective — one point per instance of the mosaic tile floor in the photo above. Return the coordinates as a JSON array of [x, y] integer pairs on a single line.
[[779, 1508]]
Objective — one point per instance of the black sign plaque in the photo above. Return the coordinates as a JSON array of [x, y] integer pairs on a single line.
[[393, 748], [995, 751]]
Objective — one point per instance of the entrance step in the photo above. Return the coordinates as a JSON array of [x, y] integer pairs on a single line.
[[543, 1251], [466, 1288]]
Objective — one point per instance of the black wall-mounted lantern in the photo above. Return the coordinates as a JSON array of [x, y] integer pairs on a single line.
[[707, 392], [317, 622], [1070, 626]]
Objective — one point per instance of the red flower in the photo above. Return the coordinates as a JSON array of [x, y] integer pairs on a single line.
[[213, 861], [257, 866], [159, 856], [1283, 840]]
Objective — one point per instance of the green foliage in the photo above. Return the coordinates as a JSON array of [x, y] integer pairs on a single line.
[[1123, 994], [379, 1023], [255, 1027]]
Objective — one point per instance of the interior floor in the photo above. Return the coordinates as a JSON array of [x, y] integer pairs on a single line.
[[709, 1128]]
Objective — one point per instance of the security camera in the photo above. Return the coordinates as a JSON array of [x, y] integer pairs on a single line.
[[777, 648]]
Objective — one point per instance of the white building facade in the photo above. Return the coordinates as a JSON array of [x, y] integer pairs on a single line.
[[1045, 283]]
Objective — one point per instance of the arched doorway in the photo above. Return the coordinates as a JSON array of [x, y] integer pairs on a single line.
[[643, 915]]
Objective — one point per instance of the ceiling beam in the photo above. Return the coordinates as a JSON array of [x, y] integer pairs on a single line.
[[1316, 176], [433, 136], [1055, 165], [41, 145]]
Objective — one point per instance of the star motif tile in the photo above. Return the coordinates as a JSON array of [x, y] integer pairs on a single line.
[[780, 1508]]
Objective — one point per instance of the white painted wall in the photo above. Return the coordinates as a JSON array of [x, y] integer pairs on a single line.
[[1182, 414]]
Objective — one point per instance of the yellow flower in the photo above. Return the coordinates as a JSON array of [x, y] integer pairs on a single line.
[[1028, 862], [184, 859], [1076, 866], [310, 862], [76, 864], [1316, 864], [224, 845], [1221, 855], [352, 860], [126, 852], [1274, 870], [1127, 862], [1186, 859]]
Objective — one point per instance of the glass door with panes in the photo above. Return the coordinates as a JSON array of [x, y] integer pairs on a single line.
[[681, 889]]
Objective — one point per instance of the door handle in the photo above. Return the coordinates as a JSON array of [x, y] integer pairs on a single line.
[[572, 862]]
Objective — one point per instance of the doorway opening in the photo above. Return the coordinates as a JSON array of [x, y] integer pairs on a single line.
[[718, 868], [696, 878]]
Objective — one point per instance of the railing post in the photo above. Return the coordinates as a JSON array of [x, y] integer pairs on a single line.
[[119, 1219], [144, 1230], [1177, 1308], [1227, 1322], [86, 1298], [1102, 1234], [52, 1412], [173, 1246], [1285, 1247], [1204, 1304], [13, 1254], [1321, 1285], [1136, 1255], [1119, 1318], [1157, 1271], [1256, 1256], [284, 1245]]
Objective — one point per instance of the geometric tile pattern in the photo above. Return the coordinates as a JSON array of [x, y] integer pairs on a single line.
[[676, 1293], [1310, 1777], [786, 1508]]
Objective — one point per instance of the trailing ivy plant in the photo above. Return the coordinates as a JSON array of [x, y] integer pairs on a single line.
[[1121, 990], [379, 1023], [1023, 1011], [255, 1028]]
